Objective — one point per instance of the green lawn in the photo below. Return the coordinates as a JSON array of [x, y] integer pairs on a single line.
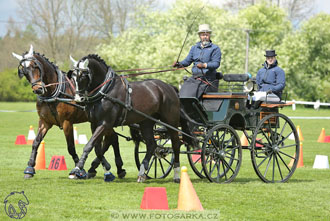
[[53, 196]]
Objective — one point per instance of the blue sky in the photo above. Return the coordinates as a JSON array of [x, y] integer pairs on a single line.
[[8, 8]]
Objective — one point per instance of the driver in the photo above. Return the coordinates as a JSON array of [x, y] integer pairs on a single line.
[[206, 57]]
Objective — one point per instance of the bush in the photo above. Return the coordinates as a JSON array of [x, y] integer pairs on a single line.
[[14, 89]]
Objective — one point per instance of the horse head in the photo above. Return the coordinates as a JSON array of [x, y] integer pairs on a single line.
[[36, 70], [88, 73]]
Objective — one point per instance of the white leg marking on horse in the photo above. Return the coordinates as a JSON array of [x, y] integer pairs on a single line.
[[176, 173], [142, 170]]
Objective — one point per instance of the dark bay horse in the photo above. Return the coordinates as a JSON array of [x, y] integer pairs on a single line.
[[51, 85], [111, 101]]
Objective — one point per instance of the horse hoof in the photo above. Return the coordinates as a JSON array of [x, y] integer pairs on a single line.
[[121, 174], [29, 172], [78, 173], [177, 180], [142, 178], [91, 175], [28, 176], [109, 177]]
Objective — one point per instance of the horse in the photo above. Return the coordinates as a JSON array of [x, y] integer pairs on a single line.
[[111, 101], [51, 85]]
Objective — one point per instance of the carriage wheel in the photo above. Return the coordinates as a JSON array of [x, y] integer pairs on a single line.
[[221, 154], [194, 154], [275, 148], [195, 161], [161, 161]]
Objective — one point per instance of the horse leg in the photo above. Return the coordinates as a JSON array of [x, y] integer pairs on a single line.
[[42, 131], [113, 140], [68, 132], [148, 135], [176, 149], [96, 137], [108, 176], [96, 162]]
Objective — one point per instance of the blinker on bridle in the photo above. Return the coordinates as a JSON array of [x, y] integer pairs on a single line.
[[24, 71]]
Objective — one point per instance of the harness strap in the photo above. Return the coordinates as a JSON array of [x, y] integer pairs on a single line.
[[117, 101], [55, 115]]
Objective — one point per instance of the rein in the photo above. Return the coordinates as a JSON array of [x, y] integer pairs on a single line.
[[140, 69], [151, 72]]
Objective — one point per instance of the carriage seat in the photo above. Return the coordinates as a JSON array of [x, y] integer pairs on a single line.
[[236, 77]]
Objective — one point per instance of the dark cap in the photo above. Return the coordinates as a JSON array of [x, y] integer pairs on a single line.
[[270, 53]]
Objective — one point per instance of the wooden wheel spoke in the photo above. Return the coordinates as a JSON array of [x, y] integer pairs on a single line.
[[279, 168], [161, 166], [270, 158], [227, 165], [287, 155], [284, 163], [150, 164]]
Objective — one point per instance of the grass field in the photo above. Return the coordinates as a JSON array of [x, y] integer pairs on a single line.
[[53, 196]]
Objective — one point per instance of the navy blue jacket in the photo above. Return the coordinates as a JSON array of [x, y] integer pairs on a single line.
[[210, 54], [271, 78]]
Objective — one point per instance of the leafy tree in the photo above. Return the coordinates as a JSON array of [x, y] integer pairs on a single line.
[[14, 89], [307, 61], [158, 37]]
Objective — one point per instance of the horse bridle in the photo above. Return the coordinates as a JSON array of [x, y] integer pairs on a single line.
[[23, 70], [83, 72]]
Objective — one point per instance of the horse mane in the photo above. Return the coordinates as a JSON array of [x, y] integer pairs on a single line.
[[96, 57]]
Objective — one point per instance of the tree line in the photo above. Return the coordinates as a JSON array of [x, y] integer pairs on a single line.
[[140, 37]]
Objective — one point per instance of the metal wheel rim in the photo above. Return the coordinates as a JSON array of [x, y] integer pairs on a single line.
[[272, 155], [159, 167], [222, 153]]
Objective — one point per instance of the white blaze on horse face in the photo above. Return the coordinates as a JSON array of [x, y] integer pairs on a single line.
[[77, 98], [28, 55]]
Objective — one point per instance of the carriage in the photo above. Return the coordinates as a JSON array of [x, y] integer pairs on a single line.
[[215, 121]]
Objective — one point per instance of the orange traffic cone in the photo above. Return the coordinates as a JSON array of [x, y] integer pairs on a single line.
[[301, 138], [321, 138], [188, 199], [75, 135], [31, 135], [41, 162], [244, 141], [301, 160]]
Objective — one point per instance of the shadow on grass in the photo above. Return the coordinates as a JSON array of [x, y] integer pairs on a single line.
[[169, 180]]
